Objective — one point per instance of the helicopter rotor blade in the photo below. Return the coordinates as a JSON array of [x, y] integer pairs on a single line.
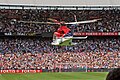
[[58, 23], [80, 37], [37, 22], [84, 22]]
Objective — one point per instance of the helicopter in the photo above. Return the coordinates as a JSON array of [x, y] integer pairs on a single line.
[[64, 35]]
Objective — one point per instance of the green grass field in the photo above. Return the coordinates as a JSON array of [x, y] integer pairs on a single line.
[[56, 76]]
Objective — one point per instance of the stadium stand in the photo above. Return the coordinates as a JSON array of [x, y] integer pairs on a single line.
[[38, 53], [9, 20]]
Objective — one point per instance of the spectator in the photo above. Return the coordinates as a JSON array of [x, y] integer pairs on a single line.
[[114, 74]]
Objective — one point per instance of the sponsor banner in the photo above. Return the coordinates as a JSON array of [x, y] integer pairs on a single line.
[[19, 34], [96, 34], [20, 71]]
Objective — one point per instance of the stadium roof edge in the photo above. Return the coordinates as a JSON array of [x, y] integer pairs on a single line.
[[32, 5]]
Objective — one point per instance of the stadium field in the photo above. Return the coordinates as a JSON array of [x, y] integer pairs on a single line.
[[56, 76]]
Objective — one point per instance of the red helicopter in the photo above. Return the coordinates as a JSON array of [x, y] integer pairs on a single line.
[[64, 35]]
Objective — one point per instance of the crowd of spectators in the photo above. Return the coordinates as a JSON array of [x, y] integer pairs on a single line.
[[51, 61], [39, 54], [110, 20], [19, 45]]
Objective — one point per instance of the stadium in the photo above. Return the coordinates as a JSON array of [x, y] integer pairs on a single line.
[[27, 29]]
